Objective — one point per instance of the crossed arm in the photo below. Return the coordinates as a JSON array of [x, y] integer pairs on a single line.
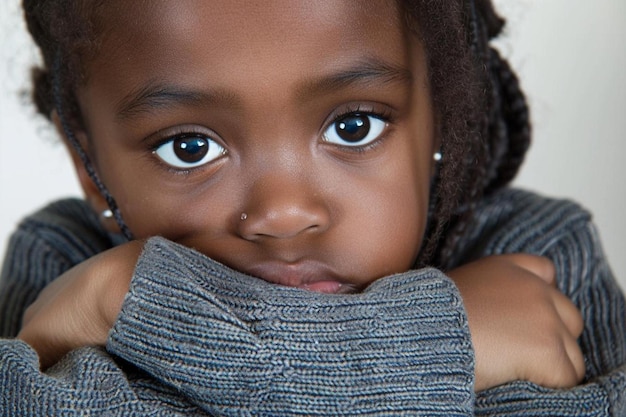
[[522, 327], [210, 315]]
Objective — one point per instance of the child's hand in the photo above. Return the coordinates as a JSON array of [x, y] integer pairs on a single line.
[[79, 308], [522, 327]]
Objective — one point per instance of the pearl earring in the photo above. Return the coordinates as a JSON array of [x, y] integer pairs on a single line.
[[437, 156], [107, 214]]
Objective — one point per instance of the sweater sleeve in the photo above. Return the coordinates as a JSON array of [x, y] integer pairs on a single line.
[[86, 382], [43, 247], [235, 345], [564, 233]]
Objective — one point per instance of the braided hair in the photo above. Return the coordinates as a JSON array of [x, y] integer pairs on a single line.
[[66, 35], [482, 117]]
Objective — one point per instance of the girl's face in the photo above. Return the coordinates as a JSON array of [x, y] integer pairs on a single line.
[[291, 140]]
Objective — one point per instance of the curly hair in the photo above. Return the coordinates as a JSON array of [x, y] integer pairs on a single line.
[[482, 117]]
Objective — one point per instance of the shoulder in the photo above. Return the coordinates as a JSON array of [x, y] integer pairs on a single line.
[[514, 220], [68, 212], [68, 226]]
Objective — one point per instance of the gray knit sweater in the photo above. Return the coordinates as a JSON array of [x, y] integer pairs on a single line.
[[197, 338]]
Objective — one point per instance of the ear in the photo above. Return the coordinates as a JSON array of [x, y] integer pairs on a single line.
[[92, 194]]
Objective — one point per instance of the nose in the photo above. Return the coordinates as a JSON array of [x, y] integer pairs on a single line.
[[282, 207]]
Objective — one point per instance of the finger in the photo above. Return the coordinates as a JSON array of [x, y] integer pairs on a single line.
[[537, 265], [572, 369], [565, 366], [576, 358], [573, 327], [569, 314]]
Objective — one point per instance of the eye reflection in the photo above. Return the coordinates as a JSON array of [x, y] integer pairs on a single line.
[[189, 151], [355, 129]]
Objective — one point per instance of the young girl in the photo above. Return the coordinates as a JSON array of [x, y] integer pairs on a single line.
[[269, 186]]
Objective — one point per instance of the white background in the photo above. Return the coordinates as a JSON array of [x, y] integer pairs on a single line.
[[571, 57]]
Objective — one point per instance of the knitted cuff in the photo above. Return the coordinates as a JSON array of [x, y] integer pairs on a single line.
[[237, 345], [522, 398]]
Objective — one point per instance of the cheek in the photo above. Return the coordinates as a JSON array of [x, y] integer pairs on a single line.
[[151, 206], [176, 217], [386, 234], [405, 209], [181, 216]]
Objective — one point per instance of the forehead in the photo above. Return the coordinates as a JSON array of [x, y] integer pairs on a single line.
[[239, 37], [241, 19]]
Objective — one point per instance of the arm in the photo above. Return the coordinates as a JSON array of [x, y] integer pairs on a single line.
[[243, 344], [87, 381], [520, 397], [402, 345], [585, 277], [79, 307], [564, 233], [52, 242], [44, 246], [34, 330], [197, 293], [231, 342], [438, 336], [522, 327]]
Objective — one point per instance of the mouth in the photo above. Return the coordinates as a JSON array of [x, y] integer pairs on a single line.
[[310, 276]]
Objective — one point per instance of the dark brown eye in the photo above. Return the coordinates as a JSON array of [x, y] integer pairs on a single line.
[[355, 129], [189, 151]]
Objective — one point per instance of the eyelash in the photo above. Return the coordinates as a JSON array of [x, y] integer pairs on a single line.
[[383, 114], [176, 133]]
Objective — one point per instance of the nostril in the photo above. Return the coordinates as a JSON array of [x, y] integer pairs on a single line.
[[282, 223]]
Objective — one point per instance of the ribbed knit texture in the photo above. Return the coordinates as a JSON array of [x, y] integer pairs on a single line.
[[45, 245], [196, 338], [563, 232], [271, 350]]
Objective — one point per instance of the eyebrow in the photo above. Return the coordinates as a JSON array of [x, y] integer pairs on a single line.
[[364, 72], [155, 95]]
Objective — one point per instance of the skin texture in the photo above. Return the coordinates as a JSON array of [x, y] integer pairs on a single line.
[[266, 95], [268, 83], [79, 308], [519, 321]]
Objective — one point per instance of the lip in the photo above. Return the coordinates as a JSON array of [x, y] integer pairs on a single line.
[[310, 275]]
